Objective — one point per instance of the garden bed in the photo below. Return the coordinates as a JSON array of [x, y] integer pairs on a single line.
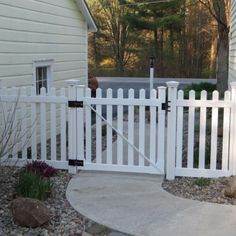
[[209, 190], [64, 221]]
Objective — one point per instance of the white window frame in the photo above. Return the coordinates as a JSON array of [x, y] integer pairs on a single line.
[[49, 65]]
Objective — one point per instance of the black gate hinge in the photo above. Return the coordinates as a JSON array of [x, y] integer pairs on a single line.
[[165, 106], [76, 104], [76, 162]]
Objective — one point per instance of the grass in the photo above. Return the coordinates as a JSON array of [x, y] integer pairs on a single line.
[[201, 182], [32, 185]]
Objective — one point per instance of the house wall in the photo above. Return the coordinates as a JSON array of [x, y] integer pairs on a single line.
[[232, 52], [32, 30]]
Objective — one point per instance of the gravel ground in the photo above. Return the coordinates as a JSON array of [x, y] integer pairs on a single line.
[[184, 187], [64, 219]]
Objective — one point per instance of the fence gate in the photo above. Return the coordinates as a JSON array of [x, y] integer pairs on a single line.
[[125, 134]]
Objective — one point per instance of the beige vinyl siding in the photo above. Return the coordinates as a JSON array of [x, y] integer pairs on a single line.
[[232, 53], [32, 30]]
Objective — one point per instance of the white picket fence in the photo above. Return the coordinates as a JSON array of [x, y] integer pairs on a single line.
[[214, 158], [38, 124], [196, 137], [135, 158]]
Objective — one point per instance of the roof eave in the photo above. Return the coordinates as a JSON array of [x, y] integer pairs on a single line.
[[87, 15]]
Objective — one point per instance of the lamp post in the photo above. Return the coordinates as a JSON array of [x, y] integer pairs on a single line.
[[151, 62]]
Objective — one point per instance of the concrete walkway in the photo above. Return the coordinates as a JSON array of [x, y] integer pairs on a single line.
[[137, 205]]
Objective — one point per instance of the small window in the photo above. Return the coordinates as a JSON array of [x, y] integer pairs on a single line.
[[41, 79], [42, 71]]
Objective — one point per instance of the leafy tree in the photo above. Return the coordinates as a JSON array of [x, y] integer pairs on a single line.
[[114, 31], [158, 18], [181, 34]]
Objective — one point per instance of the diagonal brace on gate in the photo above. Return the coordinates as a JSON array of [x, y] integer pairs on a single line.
[[124, 138]]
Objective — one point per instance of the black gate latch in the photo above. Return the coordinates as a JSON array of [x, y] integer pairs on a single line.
[[165, 106], [76, 104], [76, 162]]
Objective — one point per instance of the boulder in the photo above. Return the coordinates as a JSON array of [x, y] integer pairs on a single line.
[[29, 212], [230, 189]]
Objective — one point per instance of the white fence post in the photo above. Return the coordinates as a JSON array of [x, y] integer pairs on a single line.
[[72, 96], [171, 130], [232, 160], [80, 90], [161, 140]]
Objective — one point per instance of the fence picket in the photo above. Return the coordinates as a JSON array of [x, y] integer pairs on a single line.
[[88, 129], [202, 134], [214, 128], [120, 129], [53, 122], [33, 127], [23, 132], [141, 128], [15, 119], [191, 124], [232, 147], [98, 129], [179, 131], [153, 128], [63, 127], [131, 129], [226, 129], [109, 129], [43, 126]]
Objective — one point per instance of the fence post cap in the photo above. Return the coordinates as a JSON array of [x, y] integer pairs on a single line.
[[80, 86], [161, 87], [172, 84], [72, 82]]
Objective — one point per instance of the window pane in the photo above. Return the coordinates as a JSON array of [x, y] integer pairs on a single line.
[[41, 78], [44, 71]]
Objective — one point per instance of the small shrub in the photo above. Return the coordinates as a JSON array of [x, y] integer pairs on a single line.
[[41, 168], [201, 182], [198, 88], [33, 185]]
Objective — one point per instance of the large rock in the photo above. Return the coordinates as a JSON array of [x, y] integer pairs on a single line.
[[29, 212], [230, 190]]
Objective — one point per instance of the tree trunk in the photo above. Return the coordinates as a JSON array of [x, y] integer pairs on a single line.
[[219, 7], [213, 56], [222, 61]]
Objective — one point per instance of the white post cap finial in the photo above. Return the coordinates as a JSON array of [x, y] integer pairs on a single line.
[[172, 84], [72, 82]]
